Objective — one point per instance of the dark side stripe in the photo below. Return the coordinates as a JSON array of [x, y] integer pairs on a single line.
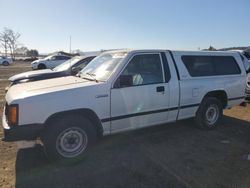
[[236, 98], [157, 111], [147, 113]]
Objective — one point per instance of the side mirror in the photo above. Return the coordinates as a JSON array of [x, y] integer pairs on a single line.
[[124, 81], [75, 70]]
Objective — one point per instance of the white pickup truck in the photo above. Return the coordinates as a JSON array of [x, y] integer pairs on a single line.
[[120, 91]]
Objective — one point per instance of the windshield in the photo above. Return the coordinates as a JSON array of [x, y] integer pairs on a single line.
[[49, 57], [101, 68], [67, 64]]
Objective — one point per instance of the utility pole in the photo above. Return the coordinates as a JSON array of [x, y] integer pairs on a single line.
[[70, 44]]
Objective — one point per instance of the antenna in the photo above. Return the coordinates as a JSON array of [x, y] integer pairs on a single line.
[[70, 54]]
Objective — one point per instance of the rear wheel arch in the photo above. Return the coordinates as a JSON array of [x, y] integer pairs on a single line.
[[87, 113], [221, 95]]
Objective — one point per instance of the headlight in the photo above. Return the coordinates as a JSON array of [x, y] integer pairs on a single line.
[[12, 114]]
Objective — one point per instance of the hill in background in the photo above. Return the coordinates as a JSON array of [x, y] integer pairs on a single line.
[[235, 48]]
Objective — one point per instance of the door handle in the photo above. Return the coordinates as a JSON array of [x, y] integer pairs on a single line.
[[160, 89]]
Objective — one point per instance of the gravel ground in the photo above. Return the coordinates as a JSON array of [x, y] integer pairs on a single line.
[[171, 155]]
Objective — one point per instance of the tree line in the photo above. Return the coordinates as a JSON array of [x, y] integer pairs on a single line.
[[9, 40]]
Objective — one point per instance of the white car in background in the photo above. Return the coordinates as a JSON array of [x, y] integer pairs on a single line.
[[248, 87], [5, 61], [245, 56], [49, 62]]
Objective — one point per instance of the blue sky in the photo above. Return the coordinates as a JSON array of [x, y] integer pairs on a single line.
[[107, 24]]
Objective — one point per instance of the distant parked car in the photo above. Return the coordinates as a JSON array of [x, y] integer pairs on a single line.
[[5, 61], [248, 88], [247, 66], [30, 59], [70, 67], [49, 62], [243, 52], [246, 60], [247, 55]]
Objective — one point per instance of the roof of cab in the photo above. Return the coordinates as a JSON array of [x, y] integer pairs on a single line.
[[173, 51], [204, 52]]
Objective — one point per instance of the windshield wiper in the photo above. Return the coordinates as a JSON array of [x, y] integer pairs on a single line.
[[92, 77], [91, 74]]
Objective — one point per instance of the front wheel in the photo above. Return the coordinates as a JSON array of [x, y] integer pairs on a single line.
[[41, 66], [68, 138], [6, 63], [209, 113]]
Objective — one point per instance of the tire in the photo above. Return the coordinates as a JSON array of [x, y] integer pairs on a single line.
[[209, 113], [41, 66], [6, 63], [248, 88], [68, 138]]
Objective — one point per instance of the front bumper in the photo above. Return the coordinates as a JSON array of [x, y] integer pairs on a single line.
[[20, 132], [248, 93], [34, 66], [248, 97]]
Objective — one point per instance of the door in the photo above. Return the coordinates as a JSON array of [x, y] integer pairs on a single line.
[[139, 97], [60, 59], [57, 60], [51, 62]]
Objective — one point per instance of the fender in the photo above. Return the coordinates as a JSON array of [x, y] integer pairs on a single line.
[[88, 113]]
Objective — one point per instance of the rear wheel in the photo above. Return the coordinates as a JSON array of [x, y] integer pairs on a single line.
[[41, 66], [209, 113], [68, 138], [6, 63]]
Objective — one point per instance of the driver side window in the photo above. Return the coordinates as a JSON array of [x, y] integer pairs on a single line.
[[144, 69], [53, 58]]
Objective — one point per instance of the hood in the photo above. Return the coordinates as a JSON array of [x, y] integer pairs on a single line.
[[29, 74], [36, 61], [30, 89]]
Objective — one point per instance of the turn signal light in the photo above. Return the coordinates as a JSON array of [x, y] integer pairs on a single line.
[[12, 114]]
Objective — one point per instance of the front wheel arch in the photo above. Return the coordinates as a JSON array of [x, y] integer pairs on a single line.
[[87, 113], [6, 63], [41, 66]]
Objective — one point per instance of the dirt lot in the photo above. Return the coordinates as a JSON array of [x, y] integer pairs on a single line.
[[172, 155]]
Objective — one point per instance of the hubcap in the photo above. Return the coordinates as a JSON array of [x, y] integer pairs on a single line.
[[71, 142], [212, 114]]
